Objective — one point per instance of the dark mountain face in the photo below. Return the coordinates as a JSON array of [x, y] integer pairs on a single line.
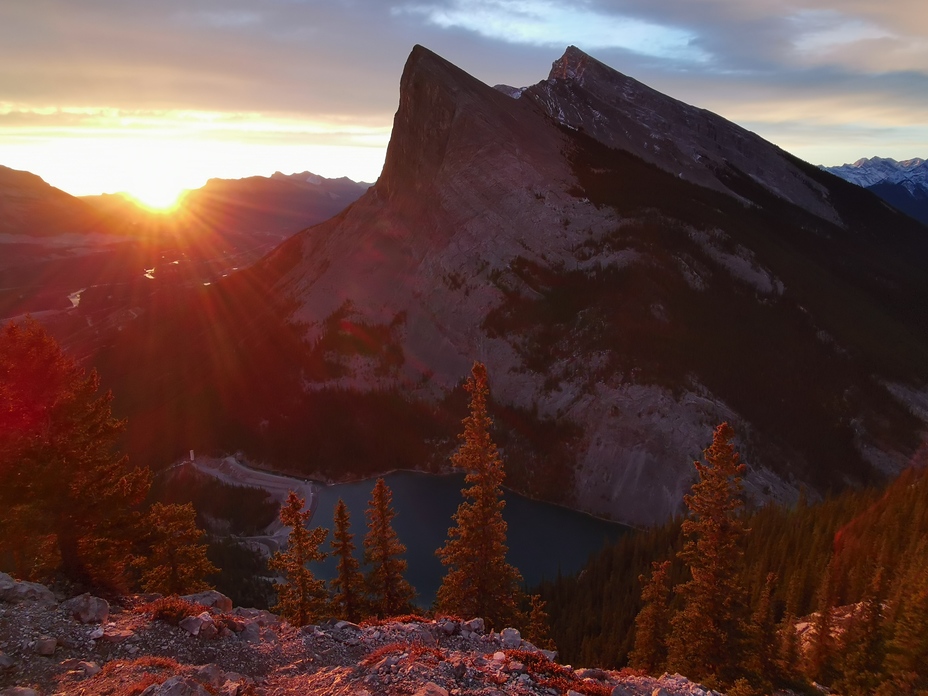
[[911, 200], [30, 208], [632, 269]]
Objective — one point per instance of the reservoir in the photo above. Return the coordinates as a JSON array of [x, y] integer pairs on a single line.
[[544, 539]]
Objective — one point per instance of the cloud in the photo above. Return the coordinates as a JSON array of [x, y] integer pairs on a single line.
[[308, 71], [545, 23]]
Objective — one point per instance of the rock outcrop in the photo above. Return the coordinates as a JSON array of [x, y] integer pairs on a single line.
[[406, 655]]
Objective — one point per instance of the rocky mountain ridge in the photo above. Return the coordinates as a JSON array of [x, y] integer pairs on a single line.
[[86, 645], [868, 171], [587, 241], [901, 184]]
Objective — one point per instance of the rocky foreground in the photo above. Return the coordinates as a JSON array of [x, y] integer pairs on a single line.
[[85, 645]]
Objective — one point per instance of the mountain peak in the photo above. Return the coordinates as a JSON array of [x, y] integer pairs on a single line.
[[570, 66], [435, 96]]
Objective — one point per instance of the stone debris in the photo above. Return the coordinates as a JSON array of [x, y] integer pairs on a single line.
[[49, 649], [87, 609]]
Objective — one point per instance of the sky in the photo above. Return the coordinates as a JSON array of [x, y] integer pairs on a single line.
[[153, 97]]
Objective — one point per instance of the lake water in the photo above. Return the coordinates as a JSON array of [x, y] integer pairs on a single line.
[[544, 539]]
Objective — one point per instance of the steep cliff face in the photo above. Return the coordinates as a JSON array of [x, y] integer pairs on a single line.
[[634, 268]]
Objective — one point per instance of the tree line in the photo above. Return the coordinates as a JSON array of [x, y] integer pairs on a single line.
[[479, 582], [73, 508], [833, 594], [75, 511]]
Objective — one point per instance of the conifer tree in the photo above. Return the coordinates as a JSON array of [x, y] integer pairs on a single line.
[[764, 635], [388, 592], [820, 658], [788, 646], [175, 562], [301, 598], [907, 648], [59, 476], [539, 631], [863, 648], [348, 584], [709, 633], [652, 622], [479, 581]]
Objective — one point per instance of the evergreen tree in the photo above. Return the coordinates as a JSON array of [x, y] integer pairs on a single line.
[[863, 649], [764, 635], [389, 594], [176, 561], [652, 622], [709, 632], [59, 478], [820, 658], [787, 645], [301, 597], [539, 631], [479, 581], [907, 649], [348, 584]]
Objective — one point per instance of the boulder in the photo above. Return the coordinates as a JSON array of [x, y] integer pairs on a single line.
[[251, 633], [592, 673], [89, 668], [176, 686], [211, 598], [19, 691], [431, 689], [209, 629], [45, 646], [6, 662], [622, 690], [511, 638], [14, 591], [116, 635], [191, 624], [211, 674], [87, 609], [475, 625]]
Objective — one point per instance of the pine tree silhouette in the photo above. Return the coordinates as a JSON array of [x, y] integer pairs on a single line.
[[389, 594], [348, 584], [479, 581], [302, 597]]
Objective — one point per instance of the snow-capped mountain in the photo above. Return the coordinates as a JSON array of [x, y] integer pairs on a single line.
[[901, 184], [868, 171]]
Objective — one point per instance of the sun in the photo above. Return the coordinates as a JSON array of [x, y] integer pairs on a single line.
[[157, 197]]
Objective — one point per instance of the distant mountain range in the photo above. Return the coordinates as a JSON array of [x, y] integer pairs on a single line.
[[31, 207], [278, 205], [53, 244], [901, 184]]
